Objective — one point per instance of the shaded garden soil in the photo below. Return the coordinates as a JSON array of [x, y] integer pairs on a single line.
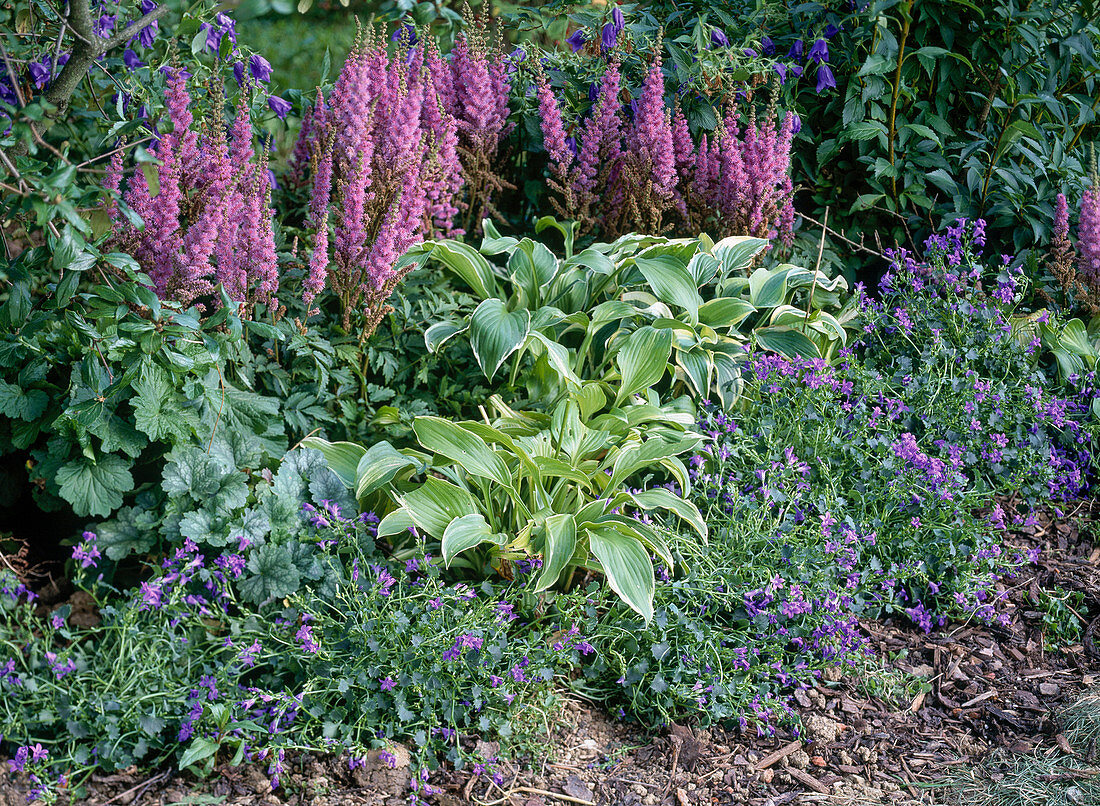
[[952, 699]]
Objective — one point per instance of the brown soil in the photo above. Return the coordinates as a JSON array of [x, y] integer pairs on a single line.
[[979, 689]]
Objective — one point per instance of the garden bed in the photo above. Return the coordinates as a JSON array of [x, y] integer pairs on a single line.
[[926, 712]]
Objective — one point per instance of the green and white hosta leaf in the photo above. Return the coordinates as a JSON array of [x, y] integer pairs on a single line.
[[736, 253], [642, 360], [495, 334], [462, 446], [342, 457], [671, 282], [786, 341], [559, 544], [440, 333], [725, 312], [557, 357], [466, 262], [660, 498], [465, 533], [629, 570], [435, 503], [768, 288], [379, 465]]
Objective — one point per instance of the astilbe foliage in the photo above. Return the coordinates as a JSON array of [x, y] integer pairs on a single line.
[[385, 173], [628, 175], [209, 219]]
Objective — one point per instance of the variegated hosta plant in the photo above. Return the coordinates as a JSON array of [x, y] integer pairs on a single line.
[[536, 485], [643, 311]]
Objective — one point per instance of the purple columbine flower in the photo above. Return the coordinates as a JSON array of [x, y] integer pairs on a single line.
[[819, 51], [825, 78], [577, 40], [259, 67], [719, 38], [281, 107]]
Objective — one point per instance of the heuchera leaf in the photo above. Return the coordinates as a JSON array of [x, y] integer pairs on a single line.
[[273, 574]]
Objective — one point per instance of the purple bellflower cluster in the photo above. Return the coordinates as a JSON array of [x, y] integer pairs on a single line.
[[209, 219]]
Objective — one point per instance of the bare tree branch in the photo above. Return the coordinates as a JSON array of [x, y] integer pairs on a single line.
[[87, 48]]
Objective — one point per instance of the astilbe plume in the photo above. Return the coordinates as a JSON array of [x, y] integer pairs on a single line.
[[474, 87], [385, 174], [1061, 258], [628, 176], [210, 220], [1088, 242]]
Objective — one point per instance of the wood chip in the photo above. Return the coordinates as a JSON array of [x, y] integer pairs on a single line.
[[980, 698], [775, 756], [808, 781]]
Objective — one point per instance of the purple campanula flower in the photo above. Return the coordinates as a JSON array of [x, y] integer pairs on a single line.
[[795, 70], [719, 38], [104, 25], [238, 73], [819, 51], [825, 79], [149, 33], [752, 54], [86, 552], [831, 31], [407, 30], [796, 50], [388, 683], [767, 46], [131, 60], [577, 40], [281, 107], [259, 67], [781, 71]]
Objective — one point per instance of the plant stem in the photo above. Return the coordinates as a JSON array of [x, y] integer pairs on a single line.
[[896, 89]]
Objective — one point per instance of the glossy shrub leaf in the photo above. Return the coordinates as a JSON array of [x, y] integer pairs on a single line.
[[628, 568]]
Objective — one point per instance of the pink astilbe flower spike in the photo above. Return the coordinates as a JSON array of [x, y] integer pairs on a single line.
[[112, 183], [1088, 239], [653, 134], [553, 131]]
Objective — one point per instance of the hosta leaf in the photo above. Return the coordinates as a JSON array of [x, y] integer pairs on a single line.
[[435, 503], [671, 282], [342, 457], [786, 341], [628, 568], [378, 467], [467, 263], [95, 487], [725, 312], [736, 253], [465, 533], [642, 360], [464, 447], [660, 498], [559, 543], [495, 334], [440, 333], [767, 289]]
